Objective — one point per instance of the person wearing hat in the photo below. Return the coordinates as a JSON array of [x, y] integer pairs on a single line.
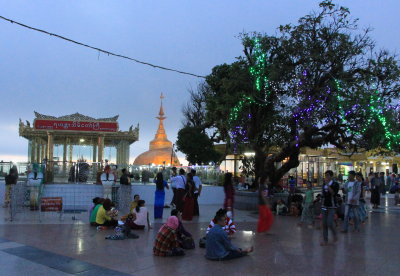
[[352, 190]]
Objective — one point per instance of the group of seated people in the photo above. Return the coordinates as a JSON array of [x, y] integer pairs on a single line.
[[171, 236], [104, 214]]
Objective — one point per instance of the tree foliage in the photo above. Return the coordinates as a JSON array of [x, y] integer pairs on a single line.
[[319, 82], [197, 146]]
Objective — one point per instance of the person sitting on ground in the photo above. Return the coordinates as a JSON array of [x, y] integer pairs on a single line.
[[134, 203], [166, 242], [294, 209], [229, 227], [102, 219], [142, 217], [97, 202], [184, 237], [281, 209], [218, 246]]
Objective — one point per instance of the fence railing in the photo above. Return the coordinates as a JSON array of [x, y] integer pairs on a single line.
[[89, 172]]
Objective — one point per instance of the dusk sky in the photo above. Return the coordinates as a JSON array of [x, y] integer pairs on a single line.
[[54, 77]]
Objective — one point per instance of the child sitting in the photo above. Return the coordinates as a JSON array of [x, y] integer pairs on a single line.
[[281, 208], [229, 228]]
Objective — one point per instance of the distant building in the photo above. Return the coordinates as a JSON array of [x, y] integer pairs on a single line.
[[74, 137]]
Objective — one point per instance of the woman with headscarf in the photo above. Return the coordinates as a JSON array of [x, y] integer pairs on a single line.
[[159, 195], [166, 243]]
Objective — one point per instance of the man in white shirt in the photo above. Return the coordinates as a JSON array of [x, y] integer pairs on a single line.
[[352, 190], [173, 186], [180, 181], [197, 192]]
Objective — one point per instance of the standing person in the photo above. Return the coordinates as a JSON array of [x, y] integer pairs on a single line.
[[197, 192], [352, 190], [375, 191], [265, 217], [125, 190], [107, 180], [173, 186], [292, 184], [361, 207], [218, 246], [229, 191], [330, 190], [180, 181], [307, 215], [382, 186], [388, 181], [10, 179], [159, 195], [188, 208]]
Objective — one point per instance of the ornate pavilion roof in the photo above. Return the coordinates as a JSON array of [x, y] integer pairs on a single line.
[[75, 117]]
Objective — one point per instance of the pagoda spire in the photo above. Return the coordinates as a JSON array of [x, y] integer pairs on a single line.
[[160, 139]]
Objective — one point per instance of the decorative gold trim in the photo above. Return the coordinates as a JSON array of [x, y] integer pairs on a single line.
[[75, 117]]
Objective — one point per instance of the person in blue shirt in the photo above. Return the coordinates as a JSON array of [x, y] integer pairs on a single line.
[[218, 246]]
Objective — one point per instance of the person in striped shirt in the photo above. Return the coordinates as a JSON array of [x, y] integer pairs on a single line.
[[229, 227]]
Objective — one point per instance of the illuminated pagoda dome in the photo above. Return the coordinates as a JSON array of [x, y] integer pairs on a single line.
[[160, 150]]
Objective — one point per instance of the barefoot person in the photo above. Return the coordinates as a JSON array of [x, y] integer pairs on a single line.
[[265, 218], [218, 246], [329, 204]]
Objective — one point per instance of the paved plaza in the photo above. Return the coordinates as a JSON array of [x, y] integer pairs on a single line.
[[72, 247]]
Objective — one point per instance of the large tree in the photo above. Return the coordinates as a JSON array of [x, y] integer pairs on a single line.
[[319, 82]]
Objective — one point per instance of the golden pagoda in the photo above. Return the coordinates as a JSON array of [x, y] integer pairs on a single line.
[[160, 150]]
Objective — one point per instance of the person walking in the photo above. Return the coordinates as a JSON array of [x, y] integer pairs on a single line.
[[362, 212], [352, 190], [375, 191], [173, 186], [265, 217], [382, 186], [159, 196], [197, 192], [10, 179], [229, 192], [188, 206], [307, 215], [330, 190]]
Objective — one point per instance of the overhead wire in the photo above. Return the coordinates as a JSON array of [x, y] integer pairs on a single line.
[[99, 49]]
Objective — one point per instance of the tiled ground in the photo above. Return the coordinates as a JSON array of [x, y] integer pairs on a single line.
[[76, 248]]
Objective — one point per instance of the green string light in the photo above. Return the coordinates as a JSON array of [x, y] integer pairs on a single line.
[[376, 111], [261, 82]]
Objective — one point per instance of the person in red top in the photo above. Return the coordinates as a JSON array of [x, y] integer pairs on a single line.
[[229, 227], [166, 243], [229, 191]]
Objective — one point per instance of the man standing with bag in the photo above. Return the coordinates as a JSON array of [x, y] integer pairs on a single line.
[[352, 190]]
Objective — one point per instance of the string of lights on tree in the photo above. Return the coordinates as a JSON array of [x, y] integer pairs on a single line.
[[376, 109]]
